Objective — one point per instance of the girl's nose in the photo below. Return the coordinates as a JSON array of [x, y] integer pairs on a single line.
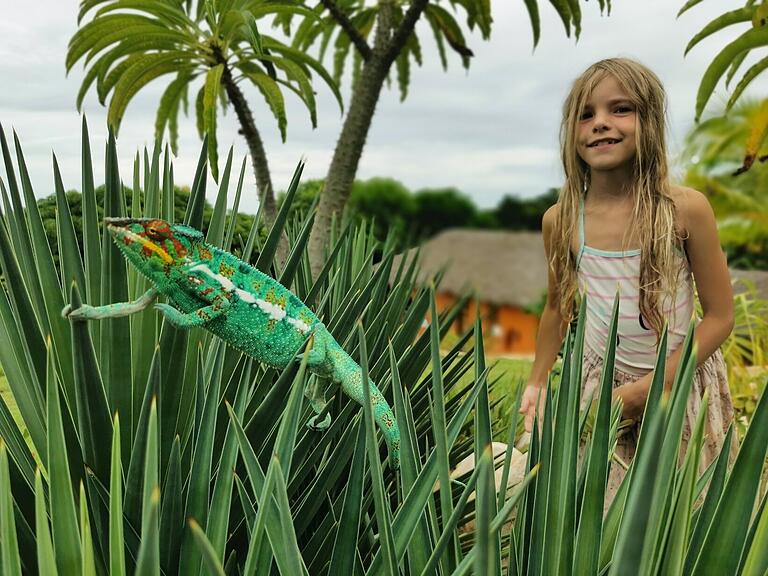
[[600, 122], [599, 125]]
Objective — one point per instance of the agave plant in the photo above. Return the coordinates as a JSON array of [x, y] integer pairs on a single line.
[[141, 434], [154, 450]]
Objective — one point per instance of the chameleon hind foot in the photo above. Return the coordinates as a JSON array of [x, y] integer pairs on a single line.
[[313, 391], [314, 422]]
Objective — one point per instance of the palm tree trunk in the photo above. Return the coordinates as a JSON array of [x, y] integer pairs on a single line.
[[253, 139], [346, 157], [349, 147]]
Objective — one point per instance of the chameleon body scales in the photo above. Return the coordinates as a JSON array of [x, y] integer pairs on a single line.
[[213, 289]]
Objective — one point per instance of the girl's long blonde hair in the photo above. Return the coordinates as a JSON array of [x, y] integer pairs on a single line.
[[654, 210]]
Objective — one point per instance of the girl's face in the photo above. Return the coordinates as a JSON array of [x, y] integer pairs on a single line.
[[606, 129]]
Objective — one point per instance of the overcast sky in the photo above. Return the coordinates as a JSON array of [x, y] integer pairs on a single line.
[[489, 131]]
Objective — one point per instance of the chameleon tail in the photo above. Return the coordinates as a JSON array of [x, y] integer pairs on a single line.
[[384, 417], [382, 413]]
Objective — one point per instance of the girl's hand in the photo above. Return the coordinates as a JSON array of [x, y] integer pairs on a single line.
[[633, 397], [532, 395]]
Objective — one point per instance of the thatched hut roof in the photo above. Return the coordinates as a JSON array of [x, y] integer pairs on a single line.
[[503, 268], [507, 268]]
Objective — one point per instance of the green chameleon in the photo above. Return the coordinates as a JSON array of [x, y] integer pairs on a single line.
[[214, 289]]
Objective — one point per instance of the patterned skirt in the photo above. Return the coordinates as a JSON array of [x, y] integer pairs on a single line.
[[710, 375]]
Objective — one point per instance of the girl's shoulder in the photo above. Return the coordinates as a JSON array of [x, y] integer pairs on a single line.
[[548, 222], [689, 206], [550, 215]]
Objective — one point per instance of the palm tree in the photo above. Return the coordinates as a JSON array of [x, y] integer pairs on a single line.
[[129, 43], [730, 59], [376, 38]]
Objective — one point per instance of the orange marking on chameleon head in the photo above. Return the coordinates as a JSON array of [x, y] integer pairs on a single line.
[[180, 249], [148, 248], [158, 229]]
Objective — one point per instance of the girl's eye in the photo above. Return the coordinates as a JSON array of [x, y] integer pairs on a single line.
[[585, 116], [623, 109]]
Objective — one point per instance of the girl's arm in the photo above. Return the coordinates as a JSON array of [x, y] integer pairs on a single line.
[[551, 332], [713, 285]]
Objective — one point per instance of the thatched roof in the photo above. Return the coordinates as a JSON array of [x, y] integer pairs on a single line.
[[507, 268], [503, 268], [758, 277]]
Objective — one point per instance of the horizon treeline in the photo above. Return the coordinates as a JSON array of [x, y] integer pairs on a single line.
[[418, 215], [415, 216]]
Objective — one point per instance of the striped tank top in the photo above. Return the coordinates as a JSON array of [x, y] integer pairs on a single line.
[[600, 274]]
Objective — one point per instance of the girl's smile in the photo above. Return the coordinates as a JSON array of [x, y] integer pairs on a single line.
[[604, 144]]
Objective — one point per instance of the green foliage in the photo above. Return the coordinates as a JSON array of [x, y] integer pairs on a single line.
[[728, 62], [755, 15], [439, 209], [713, 150], [127, 44], [512, 213], [448, 31], [384, 201], [166, 451], [746, 354], [306, 194]]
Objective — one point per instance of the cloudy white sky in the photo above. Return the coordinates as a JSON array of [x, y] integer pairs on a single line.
[[489, 131]]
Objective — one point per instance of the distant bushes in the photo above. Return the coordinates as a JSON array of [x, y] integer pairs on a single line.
[[424, 213]]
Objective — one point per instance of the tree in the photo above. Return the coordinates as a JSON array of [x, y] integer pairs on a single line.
[[385, 202], [713, 150], [129, 43], [730, 60], [441, 208], [395, 43]]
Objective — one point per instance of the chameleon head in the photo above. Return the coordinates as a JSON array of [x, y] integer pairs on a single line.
[[153, 245]]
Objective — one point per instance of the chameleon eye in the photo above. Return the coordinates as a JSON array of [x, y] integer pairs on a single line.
[[158, 230]]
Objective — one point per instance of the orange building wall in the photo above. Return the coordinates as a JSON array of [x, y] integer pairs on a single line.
[[506, 329]]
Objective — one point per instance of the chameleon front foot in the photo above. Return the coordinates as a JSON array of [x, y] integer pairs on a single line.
[[118, 310], [85, 312], [74, 315]]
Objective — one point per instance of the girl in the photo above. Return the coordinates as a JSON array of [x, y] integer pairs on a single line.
[[620, 223]]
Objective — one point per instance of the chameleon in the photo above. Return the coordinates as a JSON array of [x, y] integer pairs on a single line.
[[208, 287]]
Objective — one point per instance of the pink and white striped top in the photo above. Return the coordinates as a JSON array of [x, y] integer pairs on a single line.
[[601, 273]]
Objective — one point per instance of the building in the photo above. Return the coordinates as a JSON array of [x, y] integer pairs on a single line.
[[506, 273]]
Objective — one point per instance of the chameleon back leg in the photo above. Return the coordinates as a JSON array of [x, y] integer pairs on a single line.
[[328, 358], [314, 393]]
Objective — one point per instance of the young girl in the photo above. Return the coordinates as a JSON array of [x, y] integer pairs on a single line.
[[620, 223]]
